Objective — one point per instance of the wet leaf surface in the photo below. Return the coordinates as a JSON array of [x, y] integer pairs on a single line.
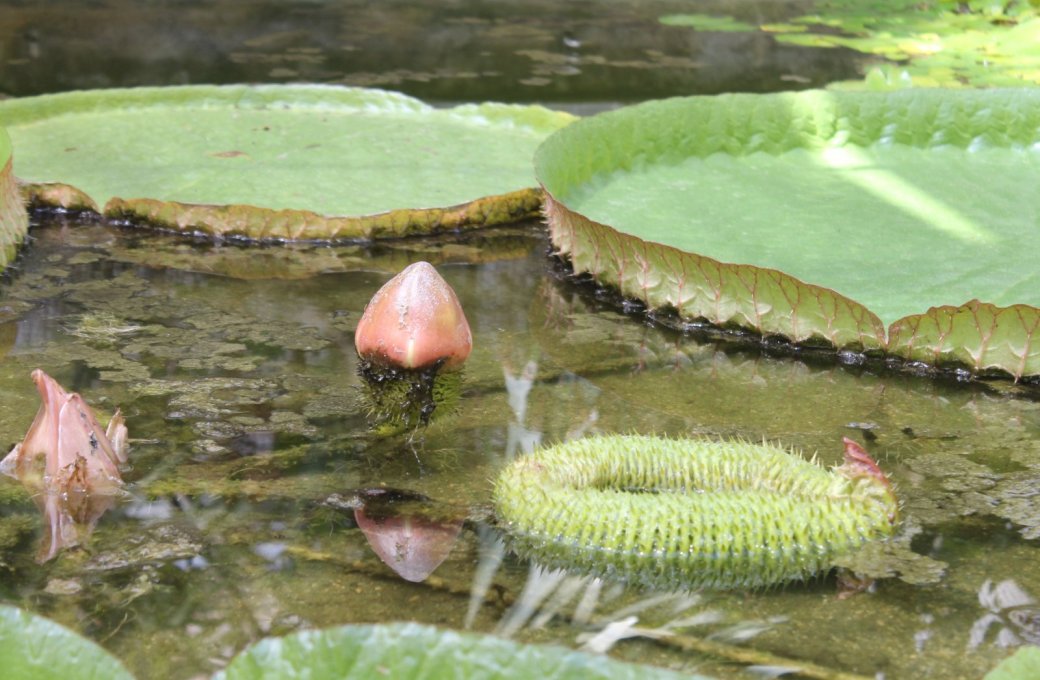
[[33, 647], [283, 163], [623, 208]]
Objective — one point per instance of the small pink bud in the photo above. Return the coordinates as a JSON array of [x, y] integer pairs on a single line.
[[414, 321]]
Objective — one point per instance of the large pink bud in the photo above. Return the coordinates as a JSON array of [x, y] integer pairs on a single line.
[[414, 321]]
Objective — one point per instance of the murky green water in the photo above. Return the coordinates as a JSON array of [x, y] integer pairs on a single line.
[[236, 370], [250, 441], [457, 50]]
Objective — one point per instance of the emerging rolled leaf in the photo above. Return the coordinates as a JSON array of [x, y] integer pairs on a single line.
[[413, 322], [691, 513], [817, 216]]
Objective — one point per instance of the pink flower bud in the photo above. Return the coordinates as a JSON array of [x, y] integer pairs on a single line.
[[414, 321]]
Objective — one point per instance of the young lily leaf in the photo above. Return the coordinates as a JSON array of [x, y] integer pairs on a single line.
[[14, 221], [407, 651], [817, 216], [35, 648], [280, 162]]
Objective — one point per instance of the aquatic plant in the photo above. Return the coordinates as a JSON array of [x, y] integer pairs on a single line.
[[691, 513], [411, 650], [35, 648], [69, 464], [412, 338], [273, 162], [413, 322], [688, 205], [14, 221]]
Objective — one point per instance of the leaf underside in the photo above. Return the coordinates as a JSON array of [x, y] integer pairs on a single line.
[[864, 220], [279, 162]]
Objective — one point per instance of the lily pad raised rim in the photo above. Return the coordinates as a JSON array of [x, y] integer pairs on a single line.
[[14, 220], [252, 223], [977, 337]]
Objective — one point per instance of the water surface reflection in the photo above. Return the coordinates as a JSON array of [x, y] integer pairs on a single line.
[[241, 392]]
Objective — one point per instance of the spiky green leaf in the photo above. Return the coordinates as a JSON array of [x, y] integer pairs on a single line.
[[280, 162]]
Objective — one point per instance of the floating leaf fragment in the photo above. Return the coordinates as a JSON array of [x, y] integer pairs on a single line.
[[707, 22], [1024, 664]]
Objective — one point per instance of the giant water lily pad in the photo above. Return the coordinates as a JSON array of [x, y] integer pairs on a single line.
[[947, 43], [279, 162], [14, 222], [902, 222], [412, 651], [35, 648]]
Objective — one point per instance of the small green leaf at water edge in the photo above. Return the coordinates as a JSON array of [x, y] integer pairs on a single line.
[[409, 651], [279, 162], [900, 222], [1024, 664], [35, 648]]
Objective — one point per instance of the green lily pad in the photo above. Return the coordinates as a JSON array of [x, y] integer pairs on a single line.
[[280, 162], [410, 650], [901, 222], [947, 44], [1022, 665], [707, 22], [35, 648], [14, 221]]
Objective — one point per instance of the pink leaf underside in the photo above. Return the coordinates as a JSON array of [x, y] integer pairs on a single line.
[[80, 437], [67, 435]]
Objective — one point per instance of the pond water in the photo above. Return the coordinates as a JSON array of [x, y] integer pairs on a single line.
[[458, 50], [251, 436], [250, 442]]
